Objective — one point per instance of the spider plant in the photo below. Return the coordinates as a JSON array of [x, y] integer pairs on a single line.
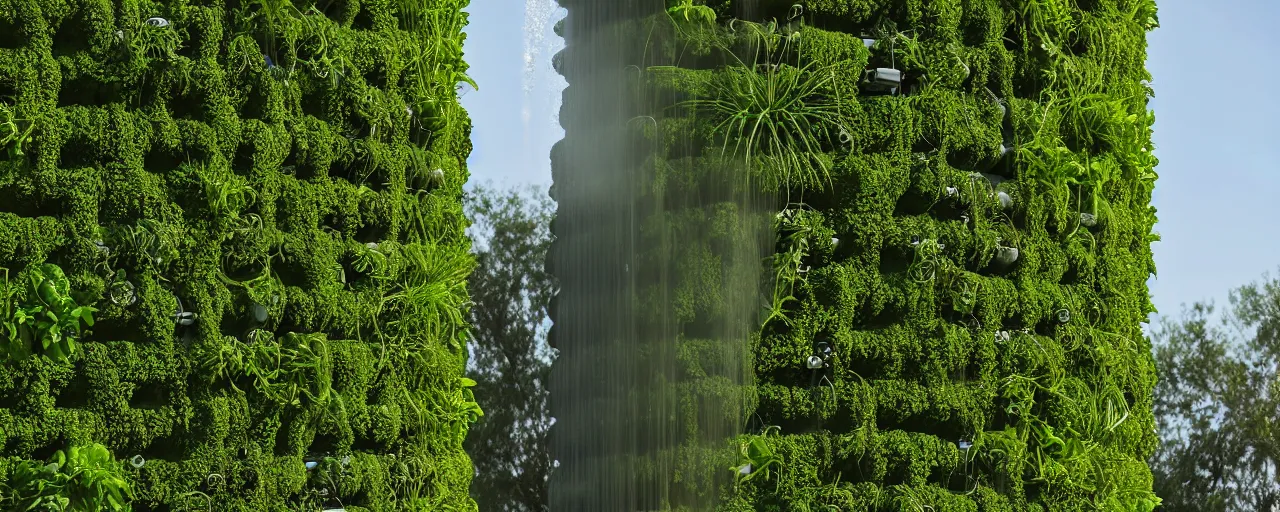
[[431, 295], [226, 193], [152, 41], [270, 18], [319, 31], [778, 117], [927, 262]]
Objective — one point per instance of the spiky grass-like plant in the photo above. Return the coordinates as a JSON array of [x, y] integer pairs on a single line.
[[776, 120]]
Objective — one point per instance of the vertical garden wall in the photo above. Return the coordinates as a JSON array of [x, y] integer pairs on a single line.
[[235, 255], [961, 197]]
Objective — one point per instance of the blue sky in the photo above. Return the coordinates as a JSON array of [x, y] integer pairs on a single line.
[[1214, 69]]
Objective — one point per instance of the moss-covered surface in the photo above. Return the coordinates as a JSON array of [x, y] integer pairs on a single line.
[[962, 375], [270, 169]]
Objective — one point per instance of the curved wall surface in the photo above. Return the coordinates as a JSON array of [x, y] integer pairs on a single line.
[[262, 202], [960, 193]]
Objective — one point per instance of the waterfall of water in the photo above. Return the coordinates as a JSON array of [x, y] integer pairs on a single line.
[[657, 252]]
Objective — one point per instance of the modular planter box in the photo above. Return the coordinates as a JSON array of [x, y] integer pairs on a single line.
[[997, 365], [192, 190]]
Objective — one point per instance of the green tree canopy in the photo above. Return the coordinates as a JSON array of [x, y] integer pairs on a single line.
[[1217, 403], [510, 359]]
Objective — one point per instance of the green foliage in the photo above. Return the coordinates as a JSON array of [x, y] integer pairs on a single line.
[[758, 458], [48, 322], [778, 118], [952, 382], [1216, 403], [223, 186], [12, 133], [512, 292], [690, 12], [84, 478]]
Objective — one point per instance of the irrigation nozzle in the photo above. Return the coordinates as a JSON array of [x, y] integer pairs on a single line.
[[1005, 256], [183, 317], [259, 313], [822, 352], [122, 292], [881, 79], [1005, 200], [815, 363]]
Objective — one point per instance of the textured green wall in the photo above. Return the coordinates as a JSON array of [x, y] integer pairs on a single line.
[[955, 382], [246, 157]]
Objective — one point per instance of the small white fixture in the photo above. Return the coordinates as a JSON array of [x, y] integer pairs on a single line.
[[1005, 200], [882, 79], [1006, 255]]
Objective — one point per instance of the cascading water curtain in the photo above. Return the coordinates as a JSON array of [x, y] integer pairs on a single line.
[[658, 252], [961, 227]]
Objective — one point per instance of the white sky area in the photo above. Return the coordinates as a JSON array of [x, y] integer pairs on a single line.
[[1214, 69]]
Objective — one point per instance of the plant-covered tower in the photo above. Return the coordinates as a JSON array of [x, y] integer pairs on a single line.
[[961, 197], [235, 253]]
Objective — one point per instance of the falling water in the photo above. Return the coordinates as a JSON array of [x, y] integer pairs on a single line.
[[658, 250], [538, 17], [541, 86]]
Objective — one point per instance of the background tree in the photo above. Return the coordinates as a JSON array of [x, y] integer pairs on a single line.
[[1217, 404], [509, 355]]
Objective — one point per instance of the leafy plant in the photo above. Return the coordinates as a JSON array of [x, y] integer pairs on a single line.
[[928, 261], [371, 261], [796, 224], [779, 118], [265, 289], [84, 478], [319, 30], [13, 134], [227, 194], [687, 10], [285, 370], [756, 457], [48, 321], [152, 242], [429, 297], [151, 41], [269, 19]]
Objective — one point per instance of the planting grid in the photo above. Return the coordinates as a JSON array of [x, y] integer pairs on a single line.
[[955, 382], [273, 167]]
